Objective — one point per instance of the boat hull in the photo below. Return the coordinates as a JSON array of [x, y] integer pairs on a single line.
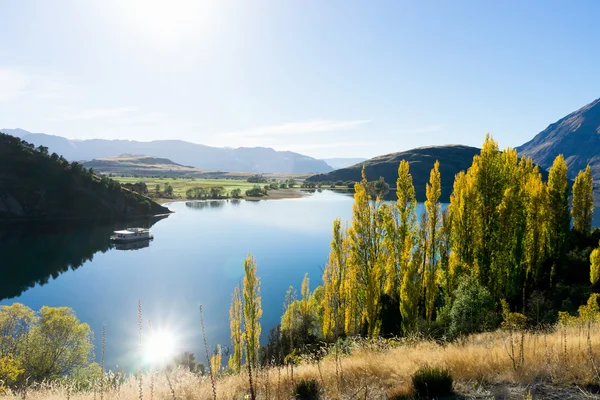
[[131, 240]]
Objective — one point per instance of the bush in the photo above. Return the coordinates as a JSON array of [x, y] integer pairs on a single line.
[[307, 389], [473, 310], [432, 383]]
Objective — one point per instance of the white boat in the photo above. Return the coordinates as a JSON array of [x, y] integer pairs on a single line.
[[131, 235]]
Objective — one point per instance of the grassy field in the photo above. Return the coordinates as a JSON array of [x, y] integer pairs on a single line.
[[561, 364], [181, 185]]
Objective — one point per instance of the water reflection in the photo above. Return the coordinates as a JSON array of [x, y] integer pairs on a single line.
[[140, 244], [203, 204], [34, 253]]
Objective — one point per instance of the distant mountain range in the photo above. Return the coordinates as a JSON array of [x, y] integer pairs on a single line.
[[337, 163], [576, 136], [452, 158], [250, 159]]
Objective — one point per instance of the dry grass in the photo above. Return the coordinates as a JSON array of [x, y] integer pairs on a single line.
[[557, 363]]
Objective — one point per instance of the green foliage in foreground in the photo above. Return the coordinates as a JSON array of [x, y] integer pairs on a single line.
[[432, 383], [307, 389], [43, 345]]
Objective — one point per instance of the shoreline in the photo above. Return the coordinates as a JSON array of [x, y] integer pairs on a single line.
[[278, 194]]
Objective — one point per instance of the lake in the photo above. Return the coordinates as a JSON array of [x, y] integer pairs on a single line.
[[196, 258]]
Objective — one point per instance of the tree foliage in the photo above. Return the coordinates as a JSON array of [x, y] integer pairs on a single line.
[[583, 201]]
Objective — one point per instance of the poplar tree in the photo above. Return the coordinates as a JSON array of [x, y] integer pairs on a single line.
[[583, 201], [252, 311], [595, 266], [461, 212], [235, 325], [365, 238], [445, 251], [535, 240], [412, 280], [333, 278], [306, 312], [400, 225], [432, 207], [558, 220], [487, 175]]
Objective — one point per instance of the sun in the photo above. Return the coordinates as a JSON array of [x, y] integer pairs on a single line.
[[160, 347]]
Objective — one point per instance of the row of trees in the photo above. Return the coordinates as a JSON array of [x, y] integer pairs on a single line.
[[505, 230]]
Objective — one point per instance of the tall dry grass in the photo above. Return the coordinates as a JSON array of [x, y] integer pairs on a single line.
[[565, 356]]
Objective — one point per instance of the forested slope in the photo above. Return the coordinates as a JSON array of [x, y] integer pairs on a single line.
[[37, 185]]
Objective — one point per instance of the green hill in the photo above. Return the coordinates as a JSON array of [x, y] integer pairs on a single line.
[[140, 165], [35, 185], [452, 158]]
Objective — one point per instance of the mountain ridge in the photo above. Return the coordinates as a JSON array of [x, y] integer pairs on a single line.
[[576, 136], [250, 159]]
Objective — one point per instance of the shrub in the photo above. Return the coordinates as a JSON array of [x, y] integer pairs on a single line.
[[473, 309], [432, 383], [307, 389]]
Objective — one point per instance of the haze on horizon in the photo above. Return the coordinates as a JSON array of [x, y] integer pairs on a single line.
[[323, 78]]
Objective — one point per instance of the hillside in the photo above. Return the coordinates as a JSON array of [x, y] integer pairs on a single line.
[[35, 185], [576, 136], [452, 158], [139, 165], [255, 159]]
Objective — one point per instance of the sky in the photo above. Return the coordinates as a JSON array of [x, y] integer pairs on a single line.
[[325, 78]]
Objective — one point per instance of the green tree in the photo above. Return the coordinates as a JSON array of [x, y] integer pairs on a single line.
[[16, 321], [58, 343], [583, 201], [236, 193], [473, 309]]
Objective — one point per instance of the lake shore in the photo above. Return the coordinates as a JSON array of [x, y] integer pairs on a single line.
[[277, 194]]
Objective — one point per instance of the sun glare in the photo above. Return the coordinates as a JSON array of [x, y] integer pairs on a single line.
[[160, 347]]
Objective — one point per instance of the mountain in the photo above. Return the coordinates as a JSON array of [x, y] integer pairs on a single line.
[[452, 158], [15, 132], [576, 136], [139, 165], [251, 159], [337, 163], [35, 185]]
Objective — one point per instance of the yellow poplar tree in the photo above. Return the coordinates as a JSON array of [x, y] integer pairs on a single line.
[[400, 226], [583, 201], [535, 240], [488, 180], [411, 285], [215, 360], [252, 310], [365, 239], [558, 219], [432, 207], [333, 275], [235, 325], [462, 236], [595, 266]]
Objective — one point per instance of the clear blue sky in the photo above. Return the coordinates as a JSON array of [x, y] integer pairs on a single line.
[[322, 77]]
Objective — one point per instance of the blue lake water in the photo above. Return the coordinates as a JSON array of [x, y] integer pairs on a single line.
[[196, 258]]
